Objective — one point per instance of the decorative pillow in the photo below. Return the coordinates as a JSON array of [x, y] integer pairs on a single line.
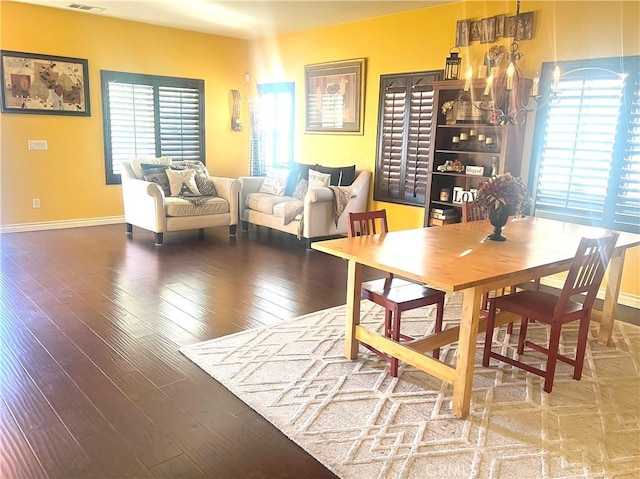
[[136, 164], [157, 174], [203, 179], [340, 175], [317, 179], [182, 181], [299, 171], [301, 189], [275, 183]]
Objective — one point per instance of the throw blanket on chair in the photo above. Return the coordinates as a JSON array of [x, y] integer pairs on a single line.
[[341, 196]]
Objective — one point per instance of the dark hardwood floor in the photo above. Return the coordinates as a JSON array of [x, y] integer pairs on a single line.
[[92, 382]]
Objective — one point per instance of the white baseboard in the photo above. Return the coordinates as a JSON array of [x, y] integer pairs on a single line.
[[57, 225], [625, 299]]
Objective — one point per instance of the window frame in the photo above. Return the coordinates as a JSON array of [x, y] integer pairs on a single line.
[[156, 82], [629, 66], [407, 193]]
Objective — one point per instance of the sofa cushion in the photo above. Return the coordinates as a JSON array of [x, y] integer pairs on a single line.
[[281, 209], [264, 202], [136, 164], [182, 181], [157, 174], [203, 179], [317, 179], [275, 182], [175, 206], [299, 171], [301, 189], [340, 175]]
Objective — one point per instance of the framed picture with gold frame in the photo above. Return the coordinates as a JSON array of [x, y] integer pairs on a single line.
[[334, 96], [44, 84]]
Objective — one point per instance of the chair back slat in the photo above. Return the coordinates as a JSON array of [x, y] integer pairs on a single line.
[[471, 211], [587, 270], [368, 223]]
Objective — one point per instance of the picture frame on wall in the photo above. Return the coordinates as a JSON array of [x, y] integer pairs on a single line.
[[334, 95], [510, 26], [500, 25], [474, 32], [488, 30], [44, 84], [524, 26], [462, 33]]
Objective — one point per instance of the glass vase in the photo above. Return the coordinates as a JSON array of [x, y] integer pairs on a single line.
[[498, 218]]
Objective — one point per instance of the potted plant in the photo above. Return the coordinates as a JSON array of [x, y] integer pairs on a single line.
[[502, 196]]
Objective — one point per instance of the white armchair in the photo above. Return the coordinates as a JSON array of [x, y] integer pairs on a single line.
[[146, 205]]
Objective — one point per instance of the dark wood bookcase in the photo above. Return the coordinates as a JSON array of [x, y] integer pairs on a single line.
[[504, 150]]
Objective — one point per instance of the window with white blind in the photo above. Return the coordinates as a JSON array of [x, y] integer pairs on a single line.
[[405, 119], [586, 154], [149, 116], [272, 127]]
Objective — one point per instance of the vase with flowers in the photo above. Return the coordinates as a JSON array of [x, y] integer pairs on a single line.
[[502, 196]]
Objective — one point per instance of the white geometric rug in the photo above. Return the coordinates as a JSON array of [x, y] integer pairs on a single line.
[[362, 424]]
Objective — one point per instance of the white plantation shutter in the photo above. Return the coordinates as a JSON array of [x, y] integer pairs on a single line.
[[404, 133], [587, 154], [132, 122], [627, 210], [147, 116], [180, 123]]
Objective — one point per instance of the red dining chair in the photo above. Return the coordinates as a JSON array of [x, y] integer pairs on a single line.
[[584, 278], [471, 211], [394, 294]]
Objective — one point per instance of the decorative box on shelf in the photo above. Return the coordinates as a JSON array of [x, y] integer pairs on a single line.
[[474, 170]]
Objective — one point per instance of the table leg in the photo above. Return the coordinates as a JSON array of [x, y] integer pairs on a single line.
[[465, 356], [352, 317], [614, 278]]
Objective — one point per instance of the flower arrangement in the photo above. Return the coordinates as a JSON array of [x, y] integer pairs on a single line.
[[503, 191], [446, 106]]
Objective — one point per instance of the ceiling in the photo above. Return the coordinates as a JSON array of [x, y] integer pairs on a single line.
[[240, 18]]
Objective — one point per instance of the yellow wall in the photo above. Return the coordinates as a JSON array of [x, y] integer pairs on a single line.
[[69, 177], [420, 40]]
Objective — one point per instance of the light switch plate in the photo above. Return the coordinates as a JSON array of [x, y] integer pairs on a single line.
[[38, 145]]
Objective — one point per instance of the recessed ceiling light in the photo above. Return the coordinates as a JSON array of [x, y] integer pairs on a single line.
[[86, 8]]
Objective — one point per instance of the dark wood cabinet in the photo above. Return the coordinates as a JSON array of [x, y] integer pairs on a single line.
[[472, 137]]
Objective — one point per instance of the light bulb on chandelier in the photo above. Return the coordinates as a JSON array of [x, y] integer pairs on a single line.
[[507, 96]]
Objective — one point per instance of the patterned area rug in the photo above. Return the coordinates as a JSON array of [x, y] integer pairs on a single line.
[[361, 423]]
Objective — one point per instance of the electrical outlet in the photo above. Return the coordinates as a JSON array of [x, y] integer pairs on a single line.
[[38, 144], [36, 202]]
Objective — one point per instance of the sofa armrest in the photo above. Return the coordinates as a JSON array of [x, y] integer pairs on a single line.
[[248, 184], [143, 203], [229, 189]]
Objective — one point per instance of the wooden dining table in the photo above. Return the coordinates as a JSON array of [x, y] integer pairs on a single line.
[[458, 257]]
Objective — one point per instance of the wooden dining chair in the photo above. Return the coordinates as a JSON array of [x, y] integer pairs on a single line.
[[471, 211], [396, 295], [584, 278]]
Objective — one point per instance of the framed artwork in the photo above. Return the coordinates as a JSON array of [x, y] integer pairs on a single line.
[[500, 25], [334, 94], [474, 33], [44, 84], [524, 26], [462, 33], [510, 27], [488, 30]]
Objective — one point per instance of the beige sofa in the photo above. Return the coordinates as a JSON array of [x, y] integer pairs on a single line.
[[316, 219], [147, 206]]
